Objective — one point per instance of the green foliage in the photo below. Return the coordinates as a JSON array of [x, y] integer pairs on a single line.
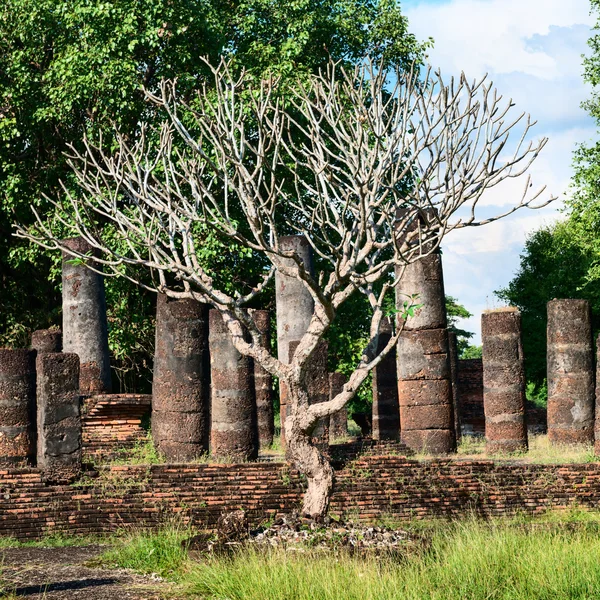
[[161, 551], [537, 393], [69, 69], [454, 312], [471, 351]]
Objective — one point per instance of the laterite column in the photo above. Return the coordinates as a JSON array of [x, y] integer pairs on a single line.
[[263, 384], [46, 340], [597, 427], [295, 308], [17, 406], [424, 387], [181, 381], [234, 432], [453, 355], [503, 381], [85, 330], [570, 373], [338, 421], [386, 411], [58, 417]]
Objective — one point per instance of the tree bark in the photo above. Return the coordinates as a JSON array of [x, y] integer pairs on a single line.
[[307, 458]]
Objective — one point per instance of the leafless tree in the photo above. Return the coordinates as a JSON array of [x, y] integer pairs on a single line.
[[375, 167]]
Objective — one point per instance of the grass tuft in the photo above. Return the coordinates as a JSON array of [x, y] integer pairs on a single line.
[[160, 551]]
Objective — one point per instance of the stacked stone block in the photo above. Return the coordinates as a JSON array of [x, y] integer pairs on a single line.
[[424, 386], [386, 411], [263, 384], [295, 308], [181, 384], [338, 421], [17, 406], [570, 373], [58, 417], [453, 355], [234, 431], [85, 330], [46, 340], [503, 381], [597, 412]]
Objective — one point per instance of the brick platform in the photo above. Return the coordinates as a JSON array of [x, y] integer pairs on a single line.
[[366, 489], [112, 422]]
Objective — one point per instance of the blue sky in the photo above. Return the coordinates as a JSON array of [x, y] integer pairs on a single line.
[[532, 50]]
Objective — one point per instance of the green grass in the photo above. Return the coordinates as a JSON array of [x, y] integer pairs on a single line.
[[145, 551], [506, 559], [540, 452]]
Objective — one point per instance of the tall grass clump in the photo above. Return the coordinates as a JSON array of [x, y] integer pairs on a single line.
[[471, 561], [160, 551]]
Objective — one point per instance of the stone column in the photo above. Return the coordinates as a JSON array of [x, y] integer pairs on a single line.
[[570, 373], [453, 356], [85, 330], [318, 386], [234, 431], [424, 388], [338, 421], [295, 308], [181, 384], [386, 411], [58, 417], [263, 384], [46, 340], [597, 424], [17, 406], [503, 381]]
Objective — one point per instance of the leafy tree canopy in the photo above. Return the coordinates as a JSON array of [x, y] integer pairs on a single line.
[[68, 69]]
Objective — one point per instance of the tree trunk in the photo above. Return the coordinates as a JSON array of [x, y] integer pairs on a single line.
[[311, 462]]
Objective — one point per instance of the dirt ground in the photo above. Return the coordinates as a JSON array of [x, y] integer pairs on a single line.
[[62, 574]]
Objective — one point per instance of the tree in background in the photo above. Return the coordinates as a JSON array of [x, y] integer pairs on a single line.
[[77, 68], [454, 312]]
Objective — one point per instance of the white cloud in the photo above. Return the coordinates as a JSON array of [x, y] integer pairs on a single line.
[[478, 36]]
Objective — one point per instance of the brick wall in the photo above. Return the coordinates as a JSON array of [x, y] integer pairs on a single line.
[[470, 390], [111, 422], [367, 488]]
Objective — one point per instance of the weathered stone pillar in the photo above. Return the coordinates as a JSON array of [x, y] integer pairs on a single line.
[[318, 386], [453, 356], [503, 381], [17, 406], [295, 308], [85, 330], [386, 410], [46, 340], [597, 424], [263, 384], [424, 388], [570, 373], [338, 421], [181, 381], [58, 417], [234, 431]]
